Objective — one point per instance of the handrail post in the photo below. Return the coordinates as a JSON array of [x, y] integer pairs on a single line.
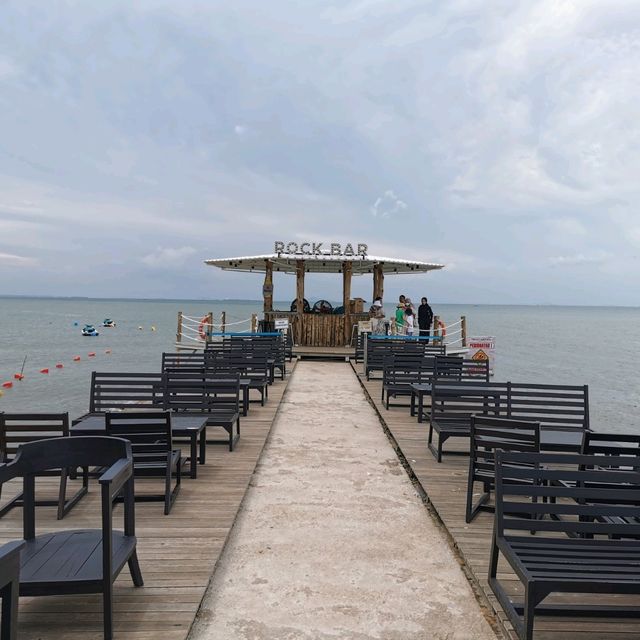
[[436, 328], [254, 322], [179, 330], [209, 330], [463, 326], [223, 321]]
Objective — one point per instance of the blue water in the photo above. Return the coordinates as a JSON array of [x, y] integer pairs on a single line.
[[574, 345]]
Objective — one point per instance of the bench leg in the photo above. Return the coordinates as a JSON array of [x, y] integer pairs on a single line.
[[10, 595], [203, 446], [134, 569], [193, 465], [107, 610]]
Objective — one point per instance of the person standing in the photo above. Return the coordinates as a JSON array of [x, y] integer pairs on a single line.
[[400, 319], [425, 317], [377, 316], [409, 320]]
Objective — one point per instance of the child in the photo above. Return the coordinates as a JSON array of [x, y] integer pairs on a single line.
[[400, 319], [409, 320]]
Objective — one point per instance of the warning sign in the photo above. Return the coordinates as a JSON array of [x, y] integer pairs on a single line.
[[482, 349]]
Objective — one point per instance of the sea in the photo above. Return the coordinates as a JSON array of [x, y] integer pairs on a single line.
[[598, 346]]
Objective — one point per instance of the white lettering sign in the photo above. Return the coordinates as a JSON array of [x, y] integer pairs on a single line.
[[317, 249]]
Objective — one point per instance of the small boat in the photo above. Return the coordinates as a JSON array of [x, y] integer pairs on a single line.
[[89, 330], [107, 322]]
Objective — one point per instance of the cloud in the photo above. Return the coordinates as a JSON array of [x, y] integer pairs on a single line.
[[387, 205], [577, 259], [12, 260], [164, 257]]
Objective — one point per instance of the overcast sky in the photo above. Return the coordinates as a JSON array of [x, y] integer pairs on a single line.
[[501, 138]]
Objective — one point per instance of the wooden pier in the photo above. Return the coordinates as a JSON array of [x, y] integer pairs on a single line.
[[444, 486], [178, 553]]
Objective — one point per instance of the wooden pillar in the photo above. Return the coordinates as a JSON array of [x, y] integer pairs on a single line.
[[300, 298], [179, 330], [267, 287], [347, 269], [463, 326], [209, 327], [378, 281], [223, 321], [254, 322]]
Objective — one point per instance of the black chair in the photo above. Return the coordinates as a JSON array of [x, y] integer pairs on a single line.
[[556, 494], [10, 588], [111, 391], [19, 428], [488, 435], [153, 454], [86, 560]]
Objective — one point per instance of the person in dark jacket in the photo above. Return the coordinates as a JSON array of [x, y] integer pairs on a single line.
[[425, 317]]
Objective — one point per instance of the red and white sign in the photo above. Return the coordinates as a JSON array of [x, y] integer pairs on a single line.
[[481, 349]]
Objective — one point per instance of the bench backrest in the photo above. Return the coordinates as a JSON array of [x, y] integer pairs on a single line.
[[18, 428], [379, 349], [404, 369], [148, 432], [120, 391], [567, 493], [456, 401], [458, 368], [488, 434], [202, 393]]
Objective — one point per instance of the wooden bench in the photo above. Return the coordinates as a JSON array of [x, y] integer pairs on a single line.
[[380, 348], [447, 369], [77, 561], [10, 588], [487, 436], [17, 429], [561, 410], [216, 398], [562, 498], [149, 433], [400, 371]]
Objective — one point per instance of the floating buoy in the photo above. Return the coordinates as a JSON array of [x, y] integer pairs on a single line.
[[59, 365], [75, 324], [153, 328], [7, 385], [91, 354], [18, 376], [140, 328], [76, 358], [44, 370], [107, 350]]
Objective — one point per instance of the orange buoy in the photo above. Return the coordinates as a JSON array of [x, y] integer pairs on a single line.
[[45, 370], [59, 365], [76, 358], [18, 376], [91, 354], [7, 385]]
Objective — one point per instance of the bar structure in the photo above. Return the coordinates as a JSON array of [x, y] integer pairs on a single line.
[[322, 327]]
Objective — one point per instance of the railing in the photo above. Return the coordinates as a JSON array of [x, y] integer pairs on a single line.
[[194, 333]]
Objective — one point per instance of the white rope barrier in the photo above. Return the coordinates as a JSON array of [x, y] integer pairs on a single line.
[[196, 320]]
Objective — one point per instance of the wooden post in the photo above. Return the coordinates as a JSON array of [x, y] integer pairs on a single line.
[[300, 287], [223, 321], [347, 269], [436, 329], [378, 281], [254, 322], [267, 287], [179, 330], [463, 326], [209, 327]]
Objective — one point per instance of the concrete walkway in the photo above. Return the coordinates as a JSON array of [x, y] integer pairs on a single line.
[[332, 541]]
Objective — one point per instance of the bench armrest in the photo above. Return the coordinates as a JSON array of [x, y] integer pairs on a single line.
[[117, 475]]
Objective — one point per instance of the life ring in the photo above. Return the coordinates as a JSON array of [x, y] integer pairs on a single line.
[[442, 328], [201, 327]]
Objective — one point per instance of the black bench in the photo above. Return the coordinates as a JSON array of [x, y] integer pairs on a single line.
[[447, 369], [561, 410], [401, 371], [562, 498], [205, 394], [377, 349], [86, 560], [10, 588], [149, 433], [17, 429], [487, 436]]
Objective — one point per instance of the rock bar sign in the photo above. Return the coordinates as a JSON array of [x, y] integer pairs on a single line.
[[320, 249]]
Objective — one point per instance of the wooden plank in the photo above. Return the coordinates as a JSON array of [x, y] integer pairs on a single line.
[[445, 485], [178, 553]]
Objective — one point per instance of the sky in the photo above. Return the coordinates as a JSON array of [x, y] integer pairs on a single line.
[[501, 138]]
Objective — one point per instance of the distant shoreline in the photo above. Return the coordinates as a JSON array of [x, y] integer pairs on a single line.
[[285, 302]]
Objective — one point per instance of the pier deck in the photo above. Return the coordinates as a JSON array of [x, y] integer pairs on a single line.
[[445, 485], [178, 553]]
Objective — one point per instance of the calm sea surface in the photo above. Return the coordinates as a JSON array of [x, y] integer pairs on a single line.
[[574, 345]]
